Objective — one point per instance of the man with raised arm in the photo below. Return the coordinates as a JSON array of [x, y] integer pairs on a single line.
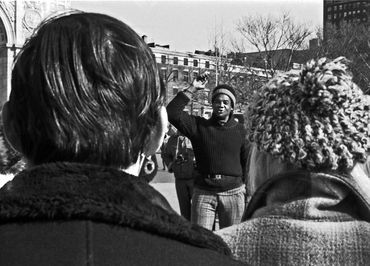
[[221, 153]]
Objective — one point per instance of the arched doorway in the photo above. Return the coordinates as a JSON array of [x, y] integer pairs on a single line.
[[7, 41], [4, 65], [17, 22]]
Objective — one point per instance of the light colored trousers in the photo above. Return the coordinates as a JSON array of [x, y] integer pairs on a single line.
[[228, 206]]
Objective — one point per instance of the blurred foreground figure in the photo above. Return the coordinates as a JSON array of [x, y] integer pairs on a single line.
[[85, 110], [309, 171]]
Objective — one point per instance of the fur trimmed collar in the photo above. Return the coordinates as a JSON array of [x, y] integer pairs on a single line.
[[71, 191]]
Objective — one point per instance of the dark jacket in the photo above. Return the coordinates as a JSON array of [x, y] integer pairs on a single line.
[[219, 149], [302, 218], [178, 155], [78, 214]]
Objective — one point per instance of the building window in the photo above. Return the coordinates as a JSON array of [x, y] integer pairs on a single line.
[[335, 8], [335, 16], [175, 75], [164, 74], [195, 63], [163, 59], [329, 17], [175, 60], [329, 8], [345, 14], [185, 76], [195, 74], [340, 7], [206, 98], [207, 64], [185, 62]]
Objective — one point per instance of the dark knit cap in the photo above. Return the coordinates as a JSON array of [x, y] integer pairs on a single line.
[[317, 119], [224, 89]]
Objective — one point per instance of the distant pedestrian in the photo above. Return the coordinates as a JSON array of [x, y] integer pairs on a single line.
[[168, 134], [163, 146], [179, 157], [221, 154]]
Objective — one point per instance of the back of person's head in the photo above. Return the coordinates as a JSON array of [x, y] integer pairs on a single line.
[[85, 88], [318, 120]]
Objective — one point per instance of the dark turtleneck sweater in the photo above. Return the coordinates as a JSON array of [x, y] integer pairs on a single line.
[[218, 149]]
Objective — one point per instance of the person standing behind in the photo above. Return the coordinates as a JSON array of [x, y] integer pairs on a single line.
[[309, 171], [179, 157], [220, 150]]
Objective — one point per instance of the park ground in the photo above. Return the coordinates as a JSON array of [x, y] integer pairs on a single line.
[[164, 182]]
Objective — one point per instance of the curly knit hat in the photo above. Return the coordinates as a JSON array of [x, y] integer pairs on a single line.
[[224, 89], [317, 119]]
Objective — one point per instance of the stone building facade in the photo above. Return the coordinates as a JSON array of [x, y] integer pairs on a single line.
[[178, 69], [18, 19]]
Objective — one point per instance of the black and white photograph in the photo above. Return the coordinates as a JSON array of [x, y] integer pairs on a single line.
[[174, 132]]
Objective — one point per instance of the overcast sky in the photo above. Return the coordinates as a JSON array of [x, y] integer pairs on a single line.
[[190, 25]]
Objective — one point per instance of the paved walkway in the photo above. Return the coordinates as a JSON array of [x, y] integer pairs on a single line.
[[164, 182], [168, 190]]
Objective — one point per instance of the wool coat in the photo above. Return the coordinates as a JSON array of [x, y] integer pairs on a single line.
[[302, 218], [79, 214]]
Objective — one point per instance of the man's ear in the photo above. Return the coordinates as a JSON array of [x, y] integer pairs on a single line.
[[8, 128], [157, 135]]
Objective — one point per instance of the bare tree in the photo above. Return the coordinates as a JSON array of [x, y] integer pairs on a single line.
[[219, 43], [351, 40], [244, 79], [274, 38]]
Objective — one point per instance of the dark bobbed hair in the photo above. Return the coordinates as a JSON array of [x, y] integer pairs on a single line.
[[85, 88]]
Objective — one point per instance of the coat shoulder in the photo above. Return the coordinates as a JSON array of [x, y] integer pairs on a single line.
[[72, 242]]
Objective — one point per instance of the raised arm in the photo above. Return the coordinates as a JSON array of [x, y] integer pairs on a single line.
[[180, 119]]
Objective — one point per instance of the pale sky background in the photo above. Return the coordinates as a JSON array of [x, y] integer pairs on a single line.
[[189, 25]]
